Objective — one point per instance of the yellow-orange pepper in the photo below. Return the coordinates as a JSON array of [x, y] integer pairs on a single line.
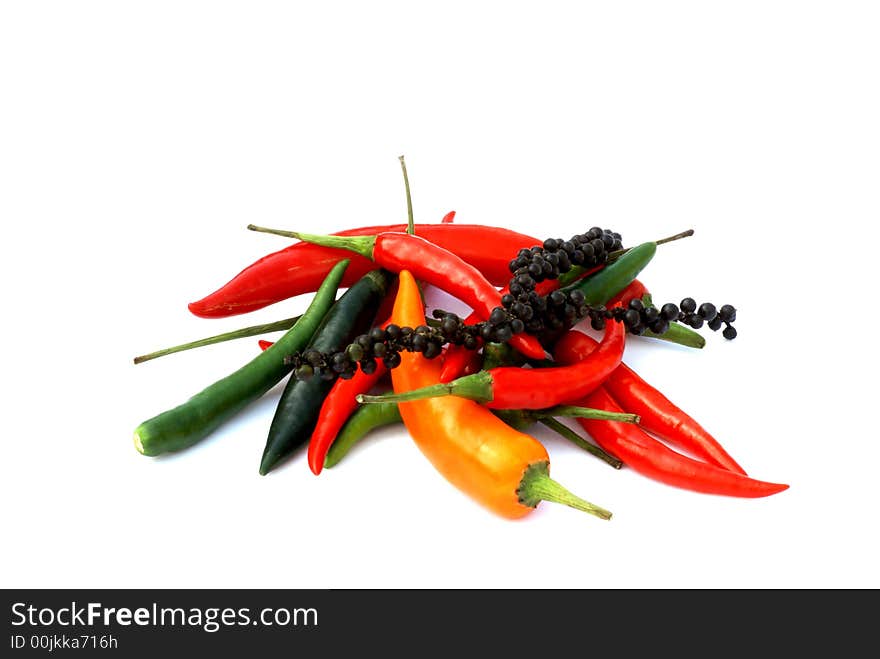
[[505, 470]]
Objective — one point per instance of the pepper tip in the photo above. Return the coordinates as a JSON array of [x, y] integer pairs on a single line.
[[138, 444]]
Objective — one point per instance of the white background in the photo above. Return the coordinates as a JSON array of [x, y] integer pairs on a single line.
[[137, 140]]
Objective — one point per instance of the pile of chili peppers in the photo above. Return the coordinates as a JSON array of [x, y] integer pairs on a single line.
[[467, 390]]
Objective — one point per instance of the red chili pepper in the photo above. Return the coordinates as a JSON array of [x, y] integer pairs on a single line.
[[338, 406], [655, 460], [658, 414], [301, 267], [341, 401], [429, 263], [515, 388]]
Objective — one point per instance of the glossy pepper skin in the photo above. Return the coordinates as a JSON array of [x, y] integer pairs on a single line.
[[533, 389], [472, 448], [301, 267], [655, 460], [658, 414]]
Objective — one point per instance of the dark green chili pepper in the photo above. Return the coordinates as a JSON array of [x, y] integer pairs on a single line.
[[192, 421], [365, 419], [297, 410]]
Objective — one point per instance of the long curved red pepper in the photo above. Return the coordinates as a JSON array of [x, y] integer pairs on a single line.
[[658, 414], [300, 268], [655, 460], [515, 388]]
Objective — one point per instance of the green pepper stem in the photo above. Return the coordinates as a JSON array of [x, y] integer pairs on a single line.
[[253, 330], [580, 442], [477, 386], [612, 256], [410, 222], [536, 486], [589, 413], [362, 245], [677, 236]]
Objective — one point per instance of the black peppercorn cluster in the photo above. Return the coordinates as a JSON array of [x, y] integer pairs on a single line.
[[640, 317], [522, 309], [385, 344], [689, 314]]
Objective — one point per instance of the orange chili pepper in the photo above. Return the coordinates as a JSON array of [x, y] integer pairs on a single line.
[[505, 470]]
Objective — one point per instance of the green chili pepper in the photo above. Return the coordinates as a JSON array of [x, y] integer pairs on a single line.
[[363, 420], [600, 287], [192, 421], [297, 412]]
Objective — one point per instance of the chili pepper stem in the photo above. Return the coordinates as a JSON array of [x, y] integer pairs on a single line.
[[476, 387], [580, 442], [536, 486], [577, 271], [362, 245], [678, 236], [410, 223], [253, 330], [588, 413]]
